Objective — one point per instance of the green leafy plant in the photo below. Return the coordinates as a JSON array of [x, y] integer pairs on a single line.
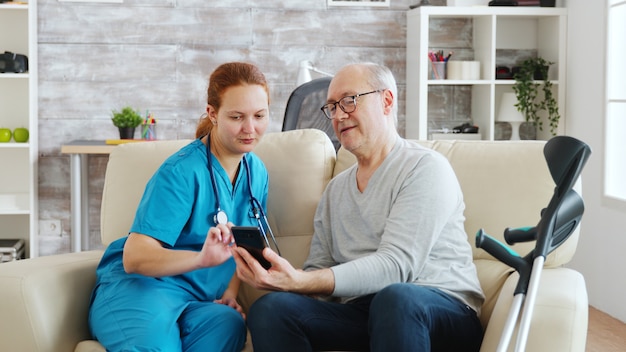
[[125, 118], [533, 75]]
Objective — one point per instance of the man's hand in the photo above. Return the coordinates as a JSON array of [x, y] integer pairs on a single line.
[[282, 276]]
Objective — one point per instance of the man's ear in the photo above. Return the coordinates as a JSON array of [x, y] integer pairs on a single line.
[[388, 101]]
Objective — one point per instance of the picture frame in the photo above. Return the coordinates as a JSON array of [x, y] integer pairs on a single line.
[[363, 3]]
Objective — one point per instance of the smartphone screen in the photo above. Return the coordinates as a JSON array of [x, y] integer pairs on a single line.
[[250, 238]]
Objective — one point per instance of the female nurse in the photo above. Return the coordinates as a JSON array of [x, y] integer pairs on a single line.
[[169, 284]]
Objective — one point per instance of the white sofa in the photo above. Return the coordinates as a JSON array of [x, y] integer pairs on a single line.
[[44, 301]]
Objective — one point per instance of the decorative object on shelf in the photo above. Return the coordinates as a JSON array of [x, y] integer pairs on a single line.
[[462, 3], [509, 113], [11, 249], [126, 121], [13, 63], [304, 72], [547, 3], [148, 127], [5, 135], [465, 128], [463, 70], [503, 72], [21, 134], [438, 63], [502, 3], [528, 3], [526, 88]]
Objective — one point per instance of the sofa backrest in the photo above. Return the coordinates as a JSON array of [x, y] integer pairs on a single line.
[[504, 183], [293, 159], [129, 168]]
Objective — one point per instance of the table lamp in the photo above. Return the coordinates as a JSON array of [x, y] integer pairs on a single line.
[[509, 113], [304, 72]]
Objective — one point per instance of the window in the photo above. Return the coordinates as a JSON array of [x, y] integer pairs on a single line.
[[615, 126]]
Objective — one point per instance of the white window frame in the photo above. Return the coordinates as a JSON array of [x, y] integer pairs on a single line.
[[615, 104]]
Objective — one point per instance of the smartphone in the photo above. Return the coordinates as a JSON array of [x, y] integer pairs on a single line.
[[250, 238]]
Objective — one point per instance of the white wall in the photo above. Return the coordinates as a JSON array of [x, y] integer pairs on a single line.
[[600, 255]]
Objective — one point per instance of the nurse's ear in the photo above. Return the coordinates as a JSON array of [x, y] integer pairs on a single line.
[[212, 114]]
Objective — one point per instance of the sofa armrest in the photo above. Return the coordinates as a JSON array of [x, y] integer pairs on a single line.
[[44, 301], [560, 317]]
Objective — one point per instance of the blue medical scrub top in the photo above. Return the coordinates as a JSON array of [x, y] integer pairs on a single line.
[[177, 208]]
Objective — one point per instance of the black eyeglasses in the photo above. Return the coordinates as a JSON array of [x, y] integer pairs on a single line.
[[347, 104]]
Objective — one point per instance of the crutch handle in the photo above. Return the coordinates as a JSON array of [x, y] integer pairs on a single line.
[[498, 249], [520, 234]]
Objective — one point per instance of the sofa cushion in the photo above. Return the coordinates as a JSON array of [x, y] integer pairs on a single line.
[[491, 274], [559, 318], [38, 302]]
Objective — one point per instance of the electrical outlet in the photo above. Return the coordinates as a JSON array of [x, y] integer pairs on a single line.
[[50, 227]]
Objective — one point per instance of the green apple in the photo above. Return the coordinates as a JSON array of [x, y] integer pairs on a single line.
[[20, 135], [5, 135]]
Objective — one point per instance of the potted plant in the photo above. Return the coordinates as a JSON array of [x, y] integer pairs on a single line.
[[529, 78], [126, 121]]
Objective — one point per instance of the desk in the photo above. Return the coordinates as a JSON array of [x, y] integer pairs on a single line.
[[79, 151]]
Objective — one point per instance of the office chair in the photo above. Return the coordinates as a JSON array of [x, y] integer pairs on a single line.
[[303, 109]]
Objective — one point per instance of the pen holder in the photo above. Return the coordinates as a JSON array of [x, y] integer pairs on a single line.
[[148, 131], [437, 69]]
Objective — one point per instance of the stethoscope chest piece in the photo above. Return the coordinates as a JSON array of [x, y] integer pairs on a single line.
[[220, 217]]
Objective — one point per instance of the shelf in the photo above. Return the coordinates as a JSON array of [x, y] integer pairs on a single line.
[[8, 75], [14, 145], [7, 6], [16, 203], [456, 82], [469, 11], [19, 216], [493, 36], [472, 82]]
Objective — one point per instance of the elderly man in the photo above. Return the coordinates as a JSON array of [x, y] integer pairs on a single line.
[[390, 267]]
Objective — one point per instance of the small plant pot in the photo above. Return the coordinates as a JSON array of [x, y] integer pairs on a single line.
[[127, 132], [538, 75]]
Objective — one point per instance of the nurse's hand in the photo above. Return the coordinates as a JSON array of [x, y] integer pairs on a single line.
[[231, 302], [216, 248]]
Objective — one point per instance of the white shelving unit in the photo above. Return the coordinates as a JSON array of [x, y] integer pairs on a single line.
[[18, 108], [494, 28]]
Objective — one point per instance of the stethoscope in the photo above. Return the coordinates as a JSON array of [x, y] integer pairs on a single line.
[[220, 216]]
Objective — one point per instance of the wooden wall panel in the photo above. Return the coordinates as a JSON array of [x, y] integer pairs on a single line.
[[157, 55]]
